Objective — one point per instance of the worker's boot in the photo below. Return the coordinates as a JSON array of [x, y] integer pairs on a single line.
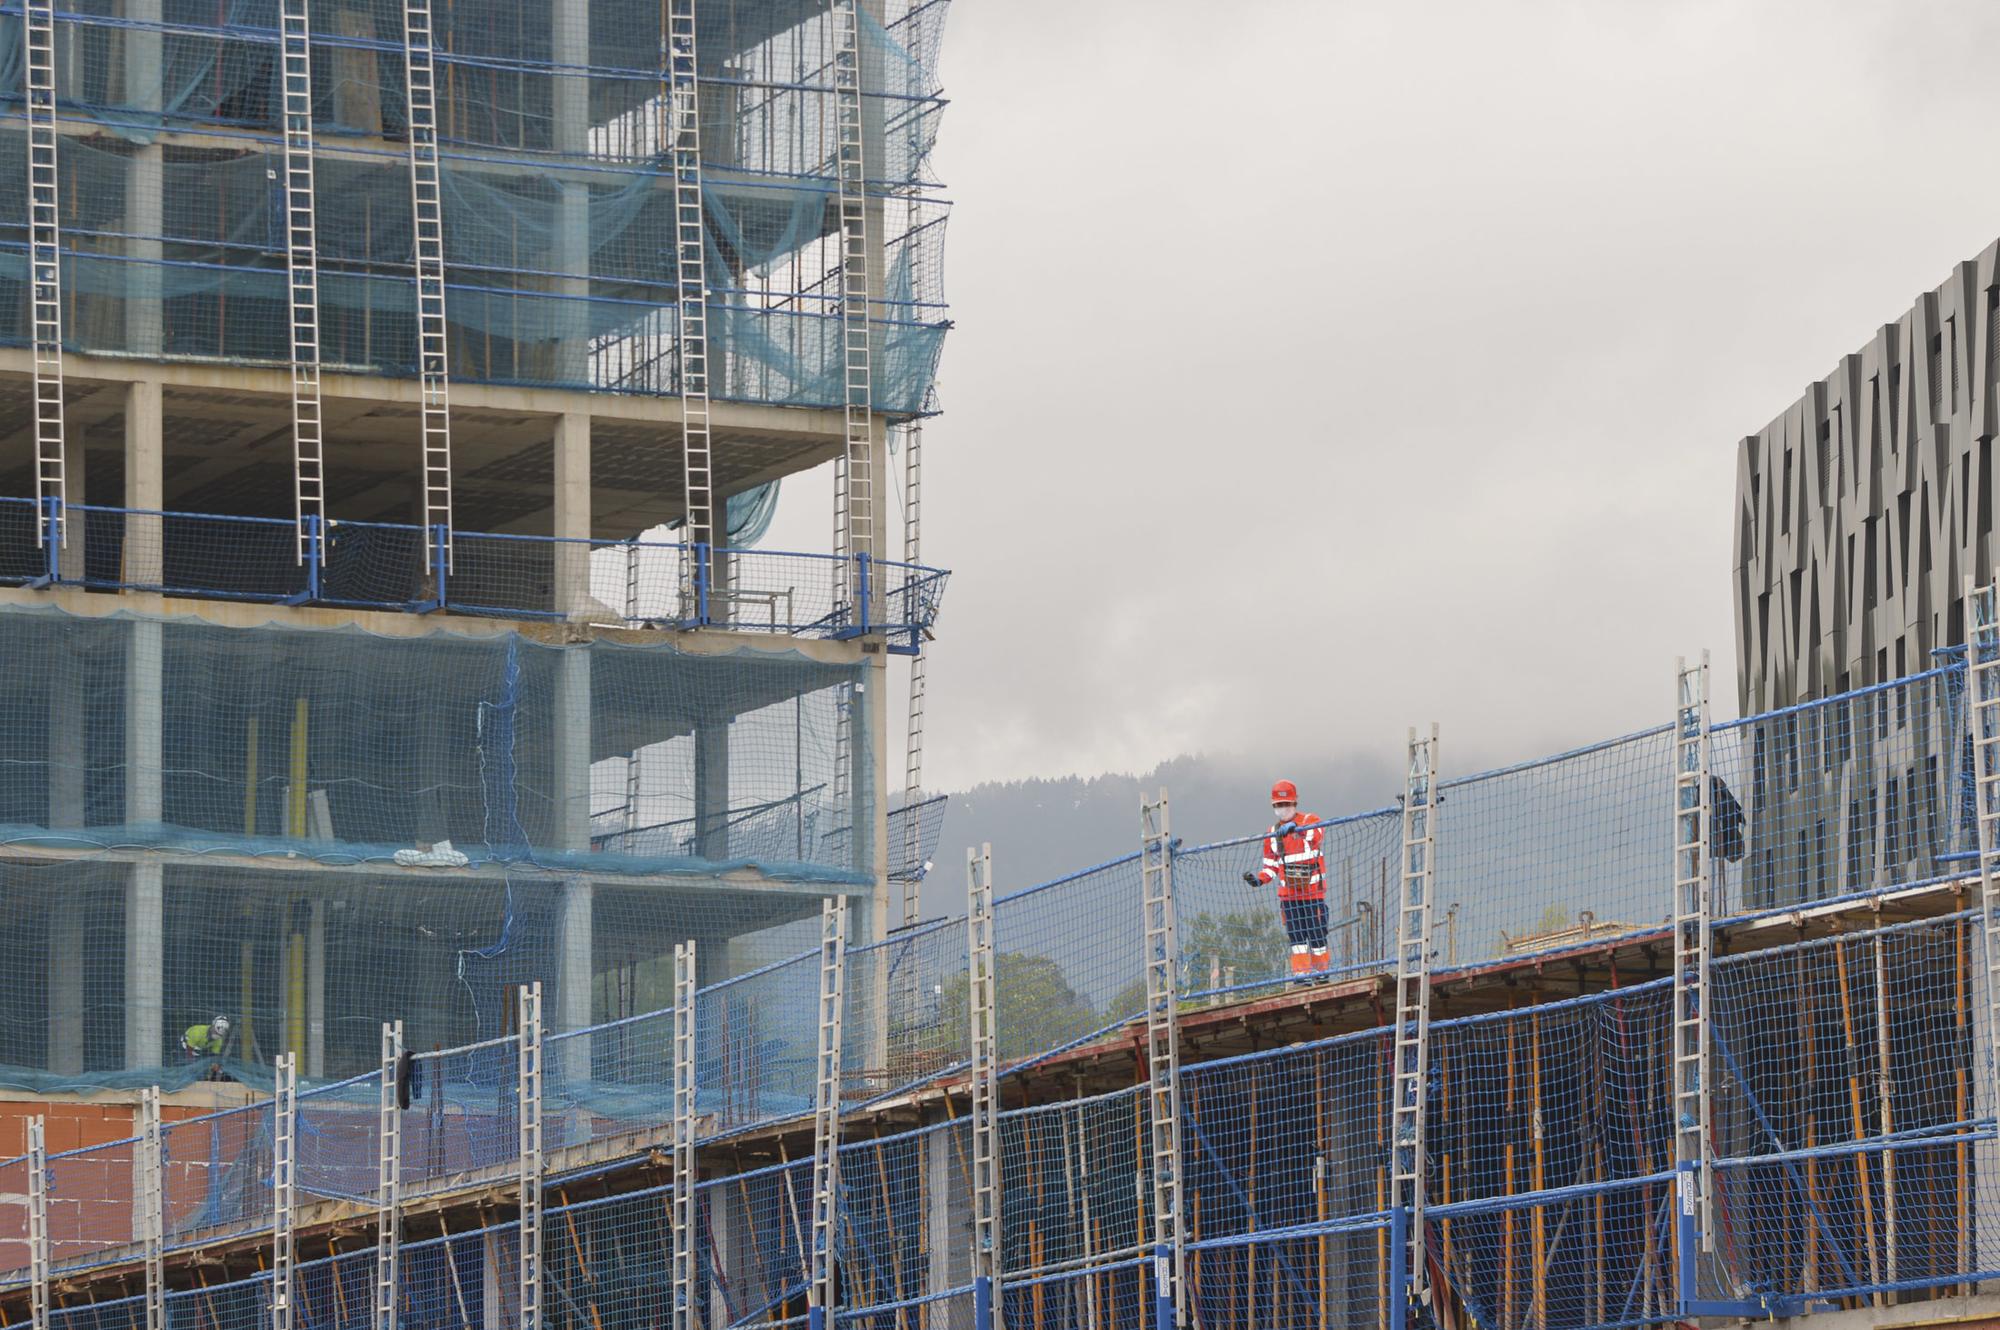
[[1301, 965]]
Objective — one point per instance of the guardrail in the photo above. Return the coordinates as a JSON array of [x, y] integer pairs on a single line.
[[425, 570]]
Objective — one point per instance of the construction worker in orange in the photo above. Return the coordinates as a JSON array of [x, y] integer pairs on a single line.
[[1295, 858]]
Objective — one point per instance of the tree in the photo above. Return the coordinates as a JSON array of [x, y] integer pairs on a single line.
[[1038, 1010], [1251, 942]]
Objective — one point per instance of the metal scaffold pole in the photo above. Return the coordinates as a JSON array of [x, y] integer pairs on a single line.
[[691, 293], [38, 1223], [530, 1155], [284, 1187], [302, 269], [149, 1193], [1410, 1284], [985, 1087], [1983, 717], [389, 1178], [821, 1277], [684, 1135], [45, 271], [427, 228], [1163, 1061], [854, 471]]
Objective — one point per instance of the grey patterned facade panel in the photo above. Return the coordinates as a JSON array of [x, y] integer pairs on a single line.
[[1864, 507]]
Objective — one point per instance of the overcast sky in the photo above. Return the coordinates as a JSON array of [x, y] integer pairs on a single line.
[[1325, 368]]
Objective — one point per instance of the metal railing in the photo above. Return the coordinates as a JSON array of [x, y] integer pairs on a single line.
[[391, 566]]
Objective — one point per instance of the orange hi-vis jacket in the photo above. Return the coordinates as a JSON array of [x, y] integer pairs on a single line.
[[1297, 862]]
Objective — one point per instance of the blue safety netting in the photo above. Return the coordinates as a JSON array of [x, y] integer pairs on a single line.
[[556, 188]]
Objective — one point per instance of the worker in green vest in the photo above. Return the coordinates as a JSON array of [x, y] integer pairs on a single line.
[[206, 1041]]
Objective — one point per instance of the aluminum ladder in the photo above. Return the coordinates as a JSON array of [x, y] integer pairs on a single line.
[[45, 268], [854, 473], [690, 283], [284, 1188], [683, 1311], [1692, 941], [984, 1116], [38, 1223], [913, 734], [302, 269], [1409, 1103], [1163, 1060], [427, 228], [821, 1273], [389, 1178], [529, 1059], [149, 1160], [1983, 715]]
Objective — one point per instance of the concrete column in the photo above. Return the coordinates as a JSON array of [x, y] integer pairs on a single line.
[[575, 977], [724, 1219], [872, 781], [65, 1054], [572, 749], [70, 561], [145, 481], [572, 514], [143, 664], [145, 182], [711, 788], [316, 991], [569, 47], [145, 927], [947, 1210]]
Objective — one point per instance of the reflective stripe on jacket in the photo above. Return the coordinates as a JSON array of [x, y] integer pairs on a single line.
[[1298, 863]]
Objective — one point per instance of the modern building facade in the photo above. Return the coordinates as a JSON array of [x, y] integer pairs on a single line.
[[388, 394], [1864, 506]]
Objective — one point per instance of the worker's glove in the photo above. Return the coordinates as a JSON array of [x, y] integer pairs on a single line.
[[1250, 879], [1285, 830]]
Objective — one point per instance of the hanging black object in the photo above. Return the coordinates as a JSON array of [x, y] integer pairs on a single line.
[[408, 1079]]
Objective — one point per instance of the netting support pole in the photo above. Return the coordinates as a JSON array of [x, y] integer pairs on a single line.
[[985, 1084], [530, 1155], [820, 1286], [1409, 1284], [38, 1223], [684, 1136], [389, 1178], [45, 273], [149, 1194], [302, 270], [690, 278], [427, 230], [284, 1192], [1163, 1060]]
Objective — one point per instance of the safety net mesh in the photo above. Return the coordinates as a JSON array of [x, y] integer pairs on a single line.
[[313, 831], [556, 188]]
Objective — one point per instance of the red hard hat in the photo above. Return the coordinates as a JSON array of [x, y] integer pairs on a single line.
[[1284, 792]]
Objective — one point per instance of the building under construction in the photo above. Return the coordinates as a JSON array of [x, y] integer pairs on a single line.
[[393, 401]]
